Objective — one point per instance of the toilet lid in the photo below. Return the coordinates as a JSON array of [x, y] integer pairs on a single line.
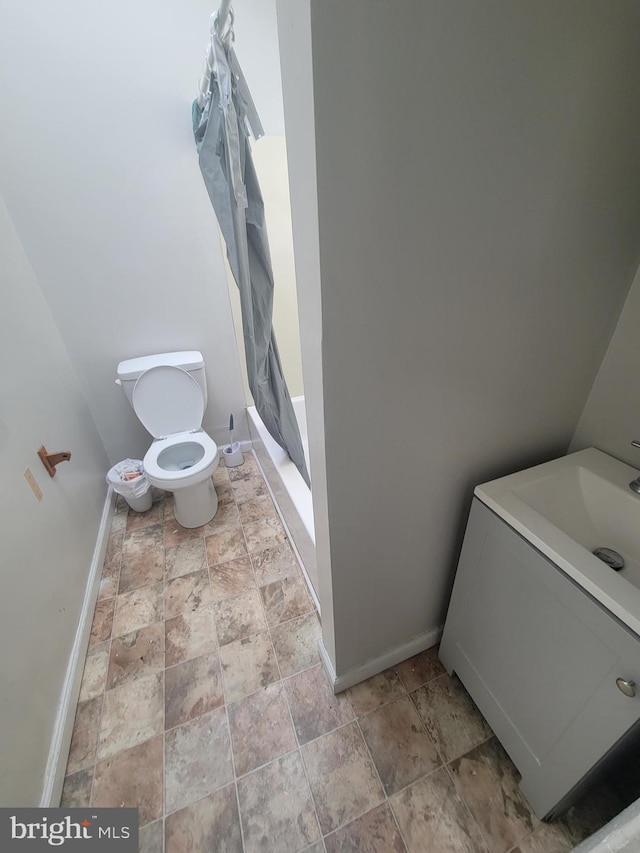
[[168, 400]]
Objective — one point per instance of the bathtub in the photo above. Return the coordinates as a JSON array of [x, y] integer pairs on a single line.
[[290, 492]]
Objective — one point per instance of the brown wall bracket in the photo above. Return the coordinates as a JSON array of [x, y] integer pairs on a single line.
[[50, 460]]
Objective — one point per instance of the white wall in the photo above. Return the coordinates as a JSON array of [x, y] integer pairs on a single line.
[[99, 170], [478, 186], [46, 546], [611, 418], [256, 46]]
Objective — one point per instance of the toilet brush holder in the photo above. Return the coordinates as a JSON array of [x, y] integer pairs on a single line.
[[232, 455]]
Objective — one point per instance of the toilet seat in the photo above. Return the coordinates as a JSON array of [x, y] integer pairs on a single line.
[[170, 480], [154, 388]]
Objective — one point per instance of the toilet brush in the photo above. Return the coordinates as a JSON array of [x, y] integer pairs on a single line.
[[232, 453]]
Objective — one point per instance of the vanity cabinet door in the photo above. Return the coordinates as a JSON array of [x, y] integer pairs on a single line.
[[539, 657]]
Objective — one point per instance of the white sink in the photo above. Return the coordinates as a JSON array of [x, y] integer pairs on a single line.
[[569, 507]]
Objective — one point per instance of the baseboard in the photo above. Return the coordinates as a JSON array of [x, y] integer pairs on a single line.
[[63, 728], [373, 667]]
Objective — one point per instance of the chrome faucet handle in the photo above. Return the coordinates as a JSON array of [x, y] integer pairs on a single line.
[[634, 485]]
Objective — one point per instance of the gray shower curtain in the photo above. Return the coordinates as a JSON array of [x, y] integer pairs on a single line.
[[220, 130]]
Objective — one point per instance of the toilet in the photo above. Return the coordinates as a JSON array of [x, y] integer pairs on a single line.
[[168, 393]]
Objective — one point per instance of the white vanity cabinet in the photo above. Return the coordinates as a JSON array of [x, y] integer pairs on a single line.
[[541, 659]]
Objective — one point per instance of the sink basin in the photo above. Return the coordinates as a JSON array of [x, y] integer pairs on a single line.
[[569, 507], [592, 510]]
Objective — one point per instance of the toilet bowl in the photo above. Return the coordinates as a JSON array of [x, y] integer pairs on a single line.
[[183, 464], [168, 394]]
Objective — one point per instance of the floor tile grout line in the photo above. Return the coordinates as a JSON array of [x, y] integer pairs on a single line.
[[440, 677], [164, 688], [295, 733], [264, 764], [235, 777], [360, 815], [268, 626], [441, 755], [458, 796], [300, 753], [95, 754], [390, 701], [260, 689], [233, 597], [445, 762], [246, 553], [382, 704], [233, 762], [106, 674], [424, 729], [386, 797], [468, 810], [415, 781], [201, 713], [445, 759], [397, 823], [422, 683], [371, 759]]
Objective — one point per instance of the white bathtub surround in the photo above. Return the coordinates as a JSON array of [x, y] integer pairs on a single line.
[[291, 494]]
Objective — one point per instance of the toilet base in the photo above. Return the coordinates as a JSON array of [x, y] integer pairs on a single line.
[[195, 505]]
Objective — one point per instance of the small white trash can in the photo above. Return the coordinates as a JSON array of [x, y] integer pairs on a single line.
[[128, 479]]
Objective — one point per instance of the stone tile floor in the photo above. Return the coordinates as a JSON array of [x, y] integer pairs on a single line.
[[204, 703]]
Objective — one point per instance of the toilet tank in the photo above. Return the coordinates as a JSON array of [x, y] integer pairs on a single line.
[[192, 361]]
